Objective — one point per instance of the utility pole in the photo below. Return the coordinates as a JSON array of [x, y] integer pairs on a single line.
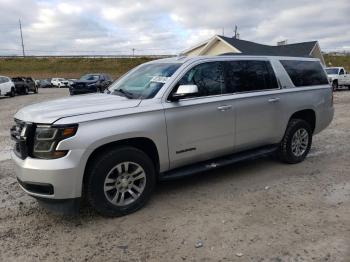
[[235, 32], [223, 31], [133, 52], [20, 29]]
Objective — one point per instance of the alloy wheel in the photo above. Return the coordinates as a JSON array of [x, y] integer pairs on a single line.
[[124, 183], [300, 141]]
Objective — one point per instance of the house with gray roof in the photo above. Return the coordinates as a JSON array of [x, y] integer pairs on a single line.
[[219, 45]]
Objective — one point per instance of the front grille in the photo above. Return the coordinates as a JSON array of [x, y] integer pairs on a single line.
[[22, 133], [79, 85]]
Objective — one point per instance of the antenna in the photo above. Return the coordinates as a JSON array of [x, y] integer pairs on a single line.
[[223, 31], [20, 29], [236, 29]]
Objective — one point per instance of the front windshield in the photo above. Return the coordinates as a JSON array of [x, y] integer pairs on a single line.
[[90, 77], [332, 71], [145, 81]]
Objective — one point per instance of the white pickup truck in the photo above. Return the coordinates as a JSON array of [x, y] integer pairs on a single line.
[[338, 77]]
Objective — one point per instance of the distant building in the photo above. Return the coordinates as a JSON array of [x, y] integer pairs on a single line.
[[218, 45]]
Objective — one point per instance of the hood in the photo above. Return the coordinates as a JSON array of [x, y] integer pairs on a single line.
[[85, 81], [332, 75], [51, 111]]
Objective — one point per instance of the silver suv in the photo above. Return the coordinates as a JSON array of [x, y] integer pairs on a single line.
[[165, 119]]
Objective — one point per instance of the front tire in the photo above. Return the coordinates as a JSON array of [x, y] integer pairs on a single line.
[[296, 142], [12, 92], [120, 181]]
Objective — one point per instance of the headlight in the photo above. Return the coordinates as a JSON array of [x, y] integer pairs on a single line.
[[47, 138]]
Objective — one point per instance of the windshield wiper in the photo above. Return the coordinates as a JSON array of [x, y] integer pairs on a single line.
[[125, 93]]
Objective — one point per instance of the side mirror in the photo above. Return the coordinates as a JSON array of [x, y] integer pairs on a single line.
[[184, 91]]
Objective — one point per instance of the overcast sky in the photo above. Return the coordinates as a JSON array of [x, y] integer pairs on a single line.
[[166, 27]]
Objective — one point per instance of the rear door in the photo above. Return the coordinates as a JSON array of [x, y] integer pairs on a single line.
[[256, 103], [341, 79]]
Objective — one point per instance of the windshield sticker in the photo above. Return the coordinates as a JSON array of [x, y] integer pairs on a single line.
[[160, 79]]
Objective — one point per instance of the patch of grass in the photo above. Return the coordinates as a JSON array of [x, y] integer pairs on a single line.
[[67, 67], [75, 67], [343, 61]]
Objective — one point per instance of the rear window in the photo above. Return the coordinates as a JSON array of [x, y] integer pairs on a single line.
[[305, 73]]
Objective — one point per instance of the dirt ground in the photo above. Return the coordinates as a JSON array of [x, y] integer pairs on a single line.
[[259, 210]]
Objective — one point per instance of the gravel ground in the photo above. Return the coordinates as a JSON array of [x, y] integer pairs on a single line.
[[259, 210]]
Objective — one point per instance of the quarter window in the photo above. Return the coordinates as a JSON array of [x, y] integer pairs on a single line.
[[209, 78], [249, 76], [305, 73]]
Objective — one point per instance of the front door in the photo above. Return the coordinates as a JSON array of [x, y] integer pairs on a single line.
[[200, 127]]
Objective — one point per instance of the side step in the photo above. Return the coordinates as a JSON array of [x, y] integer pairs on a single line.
[[217, 162]]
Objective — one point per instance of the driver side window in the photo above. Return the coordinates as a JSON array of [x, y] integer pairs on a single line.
[[208, 77], [341, 72]]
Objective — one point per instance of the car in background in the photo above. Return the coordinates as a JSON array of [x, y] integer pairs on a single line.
[[90, 83], [59, 82], [24, 85], [43, 83], [7, 87], [338, 76]]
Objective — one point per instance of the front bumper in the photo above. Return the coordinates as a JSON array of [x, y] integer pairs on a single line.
[[51, 179]]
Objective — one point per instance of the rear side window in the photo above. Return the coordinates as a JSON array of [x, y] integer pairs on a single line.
[[305, 73], [249, 76]]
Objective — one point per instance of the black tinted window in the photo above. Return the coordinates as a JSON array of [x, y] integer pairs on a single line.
[[305, 73], [208, 77], [247, 76], [341, 72]]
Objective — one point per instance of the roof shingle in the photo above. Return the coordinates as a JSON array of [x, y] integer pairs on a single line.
[[250, 48]]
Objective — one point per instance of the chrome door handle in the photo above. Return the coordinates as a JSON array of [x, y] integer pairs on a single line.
[[274, 100], [224, 107]]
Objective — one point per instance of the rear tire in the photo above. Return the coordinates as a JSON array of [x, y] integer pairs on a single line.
[[113, 175], [335, 85], [296, 142]]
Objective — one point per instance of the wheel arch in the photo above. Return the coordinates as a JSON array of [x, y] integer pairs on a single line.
[[147, 145], [308, 115]]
